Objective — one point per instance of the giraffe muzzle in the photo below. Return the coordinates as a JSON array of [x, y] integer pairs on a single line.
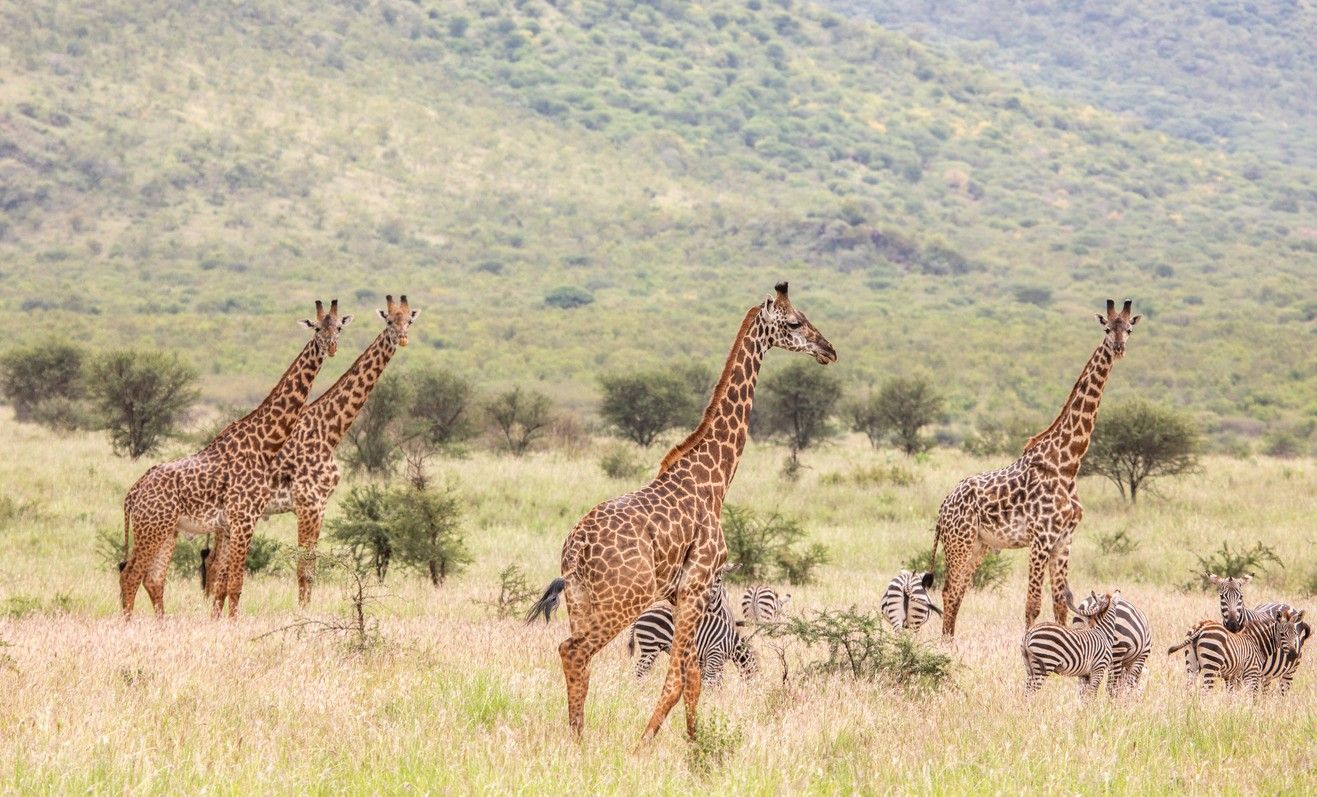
[[825, 354]]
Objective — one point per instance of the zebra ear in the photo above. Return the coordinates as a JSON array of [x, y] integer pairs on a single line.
[[1246, 579], [927, 581], [1214, 579]]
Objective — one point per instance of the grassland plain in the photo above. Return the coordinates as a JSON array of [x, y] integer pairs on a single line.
[[455, 701]]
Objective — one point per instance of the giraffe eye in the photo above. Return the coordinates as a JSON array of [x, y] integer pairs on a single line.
[[795, 324]]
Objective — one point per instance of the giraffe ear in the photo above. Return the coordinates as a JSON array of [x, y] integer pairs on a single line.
[[344, 320], [309, 324], [1135, 320], [415, 313], [383, 314], [1101, 319]]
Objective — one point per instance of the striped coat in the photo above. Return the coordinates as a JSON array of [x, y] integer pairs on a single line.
[[716, 639], [1083, 651], [905, 603], [1131, 645], [762, 604], [1260, 652]]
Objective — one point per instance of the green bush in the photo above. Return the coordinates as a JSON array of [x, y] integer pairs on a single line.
[[141, 397], [414, 525], [1138, 441], [1233, 564], [1117, 543], [859, 645], [716, 740], [521, 417], [641, 406], [620, 462], [568, 298], [45, 372], [796, 404], [902, 408], [769, 549]]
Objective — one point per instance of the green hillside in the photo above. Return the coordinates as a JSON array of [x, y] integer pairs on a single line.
[[1233, 74], [193, 177]]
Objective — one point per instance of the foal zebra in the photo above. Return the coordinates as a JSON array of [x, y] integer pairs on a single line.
[[716, 638], [762, 604], [1261, 651], [905, 601], [1086, 652], [1130, 647]]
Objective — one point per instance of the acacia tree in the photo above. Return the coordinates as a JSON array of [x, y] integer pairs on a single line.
[[373, 439], [141, 397], [441, 408], [41, 374], [521, 416], [1137, 441], [903, 407], [642, 406], [797, 403]]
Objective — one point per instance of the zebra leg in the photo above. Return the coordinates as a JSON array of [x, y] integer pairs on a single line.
[[645, 661], [1093, 681]]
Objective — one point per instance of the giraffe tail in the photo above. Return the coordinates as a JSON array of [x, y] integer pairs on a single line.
[[547, 602], [932, 558], [205, 554]]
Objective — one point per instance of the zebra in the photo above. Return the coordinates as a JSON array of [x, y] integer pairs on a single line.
[[1261, 651], [1086, 652], [762, 604], [906, 603], [716, 638], [1131, 646], [1233, 612]]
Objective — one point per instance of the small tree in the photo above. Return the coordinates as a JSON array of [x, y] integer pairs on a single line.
[[441, 408], [520, 416], [797, 403], [770, 548], [1138, 441], [902, 408], [141, 396], [424, 527], [364, 528], [373, 439], [41, 373], [642, 406]]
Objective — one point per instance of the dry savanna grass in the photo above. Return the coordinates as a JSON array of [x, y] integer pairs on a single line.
[[452, 700]]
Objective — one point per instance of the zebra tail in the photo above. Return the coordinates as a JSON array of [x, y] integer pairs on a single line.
[[631, 642], [547, 602]]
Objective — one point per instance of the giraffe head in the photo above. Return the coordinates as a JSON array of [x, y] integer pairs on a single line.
[[791, 330], [327, 325], [1118, 325], [1231, 591], [1290, 632], [398, 318]]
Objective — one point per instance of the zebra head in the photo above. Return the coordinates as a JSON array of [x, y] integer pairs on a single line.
[[1231, 591], [1094, 609], [1288, 632]]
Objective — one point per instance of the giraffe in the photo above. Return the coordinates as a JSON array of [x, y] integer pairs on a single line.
[[231, 475], [305, 470], [665, 540], [1032, 502]]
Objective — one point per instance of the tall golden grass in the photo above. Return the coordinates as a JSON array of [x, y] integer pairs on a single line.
[[454, 701]]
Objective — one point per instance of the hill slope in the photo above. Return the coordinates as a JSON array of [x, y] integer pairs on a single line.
[[193, 177], [1238, 75]]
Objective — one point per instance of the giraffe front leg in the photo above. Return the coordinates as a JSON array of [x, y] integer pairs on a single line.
[[691, 597], [1038, 556], [309, 521], [156, 570], [1060, 570], [243, 511]]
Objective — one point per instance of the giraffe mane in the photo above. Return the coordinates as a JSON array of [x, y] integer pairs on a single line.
[[719, 392], [1064, 407]]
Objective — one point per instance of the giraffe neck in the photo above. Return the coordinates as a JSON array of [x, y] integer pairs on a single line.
[[1066, 440], [339, 405], [269, 425], [712, 452]]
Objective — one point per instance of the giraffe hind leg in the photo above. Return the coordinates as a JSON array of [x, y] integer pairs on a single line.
[[683, 661], [961, 564]]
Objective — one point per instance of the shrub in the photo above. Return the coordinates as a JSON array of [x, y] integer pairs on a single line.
[[41, 373], [363, 529], [619, 462], [141, 396], [858, 645], [1233, 564], [902, 408], [1138, 441], [521, 417], [873, 476], [716, 740], [441, 408], [423, 527], [991, 573], [770, 549], [994, 437], [514, 594], [1117, 543], [797, 403], [568, 298], [641, 406]]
